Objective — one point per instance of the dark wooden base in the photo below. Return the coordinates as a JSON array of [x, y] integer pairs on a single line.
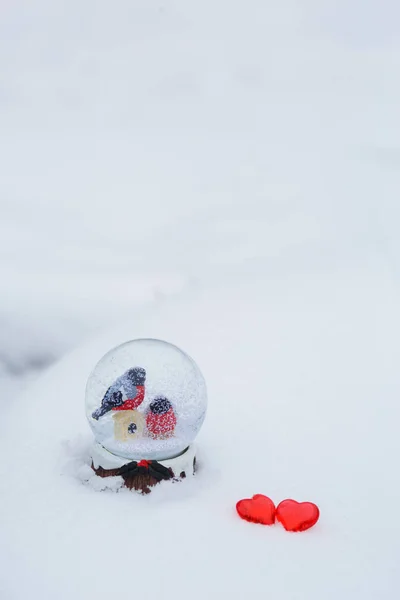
[[141, 482], [143, 475]]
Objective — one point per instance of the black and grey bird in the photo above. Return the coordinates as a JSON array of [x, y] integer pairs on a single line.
[[131, 383]]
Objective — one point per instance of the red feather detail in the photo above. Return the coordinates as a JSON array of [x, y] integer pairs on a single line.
[[133, 403]]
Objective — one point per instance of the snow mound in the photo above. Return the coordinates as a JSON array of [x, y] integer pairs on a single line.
[[303, 402]]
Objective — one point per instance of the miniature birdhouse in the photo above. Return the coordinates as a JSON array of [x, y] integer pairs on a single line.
[[128, 423], [145, 402]]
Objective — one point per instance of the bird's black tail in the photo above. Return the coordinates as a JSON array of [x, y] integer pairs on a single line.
[[100, 412]]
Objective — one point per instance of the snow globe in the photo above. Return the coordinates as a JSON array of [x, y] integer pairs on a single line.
[[146, 401]]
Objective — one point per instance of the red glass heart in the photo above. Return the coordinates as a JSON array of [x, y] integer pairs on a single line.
[[259, 509], [297, 516]]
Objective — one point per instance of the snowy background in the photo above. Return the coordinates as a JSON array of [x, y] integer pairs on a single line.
[[151, 146], [225, 175]]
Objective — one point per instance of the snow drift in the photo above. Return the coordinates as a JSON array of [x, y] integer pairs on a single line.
[[303, 403]]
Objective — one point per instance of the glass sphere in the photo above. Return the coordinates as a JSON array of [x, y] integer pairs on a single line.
[[146, 399]]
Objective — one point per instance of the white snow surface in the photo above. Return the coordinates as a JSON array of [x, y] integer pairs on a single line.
[[224, 176], [149, 146], [303, 403]]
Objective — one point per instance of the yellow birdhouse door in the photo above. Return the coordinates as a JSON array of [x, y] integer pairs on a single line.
[[128, 425]]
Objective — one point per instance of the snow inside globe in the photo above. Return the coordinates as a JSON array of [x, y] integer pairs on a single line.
[[146, 401]]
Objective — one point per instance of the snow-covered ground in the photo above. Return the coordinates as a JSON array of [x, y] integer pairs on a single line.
[[303, 402], [226, 176]]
